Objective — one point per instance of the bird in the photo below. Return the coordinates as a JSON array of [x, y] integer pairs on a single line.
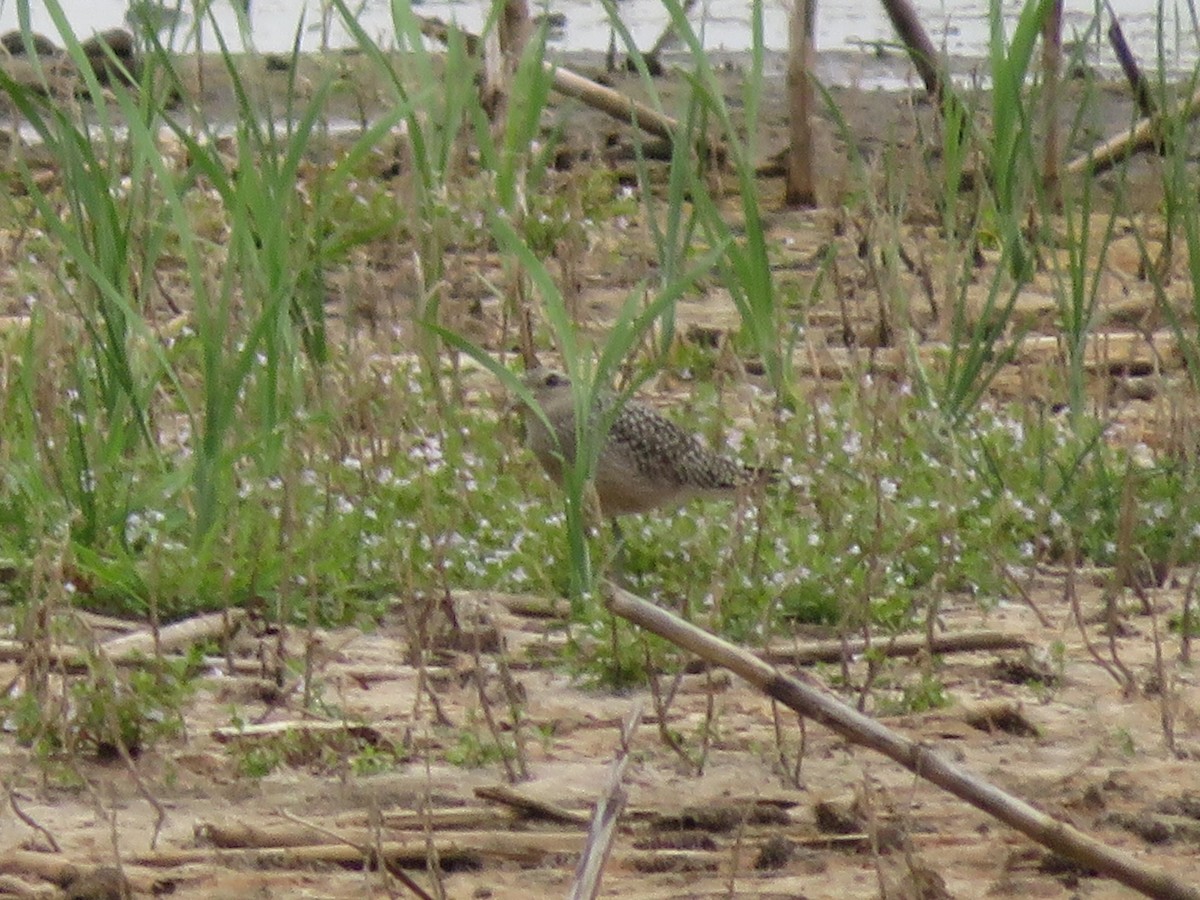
[[646, 461]]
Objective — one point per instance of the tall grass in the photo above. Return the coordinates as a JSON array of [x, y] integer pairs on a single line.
[[256, 299], [593, 368], [434, 97], [244, 450]]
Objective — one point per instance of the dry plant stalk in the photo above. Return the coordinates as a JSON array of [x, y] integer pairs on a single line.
[[833, 650], [788, 771], [920, 48], [472, 847], [1077, 613], [1052, 54], [29, 820], [662, 705], [604, 822], [865, 731], [801, 187], [1129, 65], [529, 806], [1187, 617]]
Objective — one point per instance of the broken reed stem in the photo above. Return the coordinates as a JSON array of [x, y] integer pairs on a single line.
[[28, 819], [861, 729], [477, 669], [1129, 65], [1077, 615], [800, 182], [604, 822], [1187, 618], [1052, 54], [661, 711], [369, 853]]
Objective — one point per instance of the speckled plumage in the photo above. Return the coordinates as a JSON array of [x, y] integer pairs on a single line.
[[647, 460]]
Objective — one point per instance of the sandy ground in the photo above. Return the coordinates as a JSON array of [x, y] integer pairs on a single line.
[[776, 812], [830, 821]]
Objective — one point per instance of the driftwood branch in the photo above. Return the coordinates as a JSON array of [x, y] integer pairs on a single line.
[[865, 731], [76, 659], [533, 606], [905, 645], [351, 827], [574, 85], [78, 880], [173, 637], [227, 734], [1146, 134], [132, 649]]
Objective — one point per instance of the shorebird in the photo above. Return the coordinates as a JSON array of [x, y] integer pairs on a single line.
[[646, 461]]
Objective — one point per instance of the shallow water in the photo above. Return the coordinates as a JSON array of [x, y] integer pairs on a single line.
[[846, 29]]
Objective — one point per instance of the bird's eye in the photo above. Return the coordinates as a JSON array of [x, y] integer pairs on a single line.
[[555, 380]]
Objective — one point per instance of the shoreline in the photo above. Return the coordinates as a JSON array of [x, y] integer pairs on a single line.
[[875, 114], [874, 65]]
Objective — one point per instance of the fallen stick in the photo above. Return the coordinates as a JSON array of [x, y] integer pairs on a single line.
[[461, 818], [529, 806], [244, 835], [75, 659], [133, 649], [526, 848], [574, 85], [226, 734], [1112, 353], [368, 853], [56, 868], [46, 866], [865, 731], [351, 828], [533, 606], [180, 634], [905, 645], [1146, 134]]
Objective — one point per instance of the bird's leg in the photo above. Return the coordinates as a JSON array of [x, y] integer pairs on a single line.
[[618, 555], [619, 559]]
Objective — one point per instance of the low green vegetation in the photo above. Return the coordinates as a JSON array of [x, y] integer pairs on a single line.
[[208, 402]]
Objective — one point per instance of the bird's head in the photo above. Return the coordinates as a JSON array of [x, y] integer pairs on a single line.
[[545, 384]]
